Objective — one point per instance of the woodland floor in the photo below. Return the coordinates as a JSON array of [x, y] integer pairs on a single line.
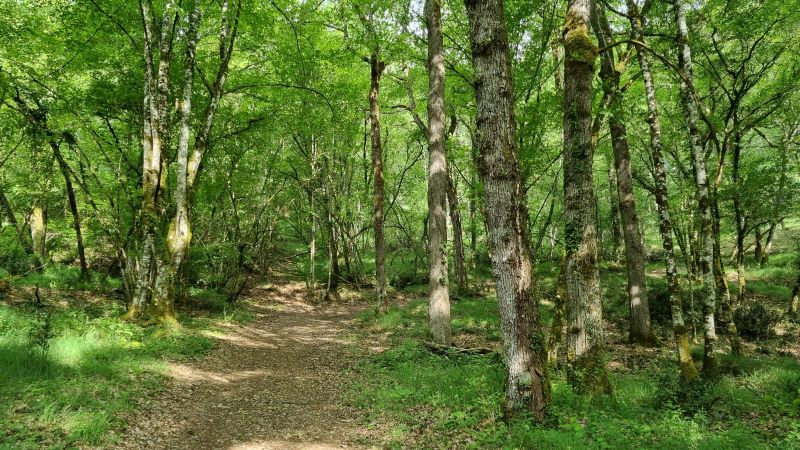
[[279, 382]]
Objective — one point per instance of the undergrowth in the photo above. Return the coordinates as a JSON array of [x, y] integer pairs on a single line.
[[454, 401], [70, 368]]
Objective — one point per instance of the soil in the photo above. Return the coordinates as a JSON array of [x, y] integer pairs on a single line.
[[279, 382]]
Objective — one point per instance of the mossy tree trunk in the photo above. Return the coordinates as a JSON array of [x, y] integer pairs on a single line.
[[706, 232], [585, 355], [506, 212]]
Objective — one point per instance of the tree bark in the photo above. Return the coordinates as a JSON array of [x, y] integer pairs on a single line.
[[758, 252], [706, 238], [768, 247], [506, 212], [724, 304], [438, 182], [640, 331], [794, 302], [587, 371], [152, 293], [740, 220], [38, 224], [73, 206], [311, 283], [458, 234], [686, 365], [616, 233], [24, 239], [376, 70], [180, 232]]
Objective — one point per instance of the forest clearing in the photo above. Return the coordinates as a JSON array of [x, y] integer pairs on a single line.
[[296, 224]]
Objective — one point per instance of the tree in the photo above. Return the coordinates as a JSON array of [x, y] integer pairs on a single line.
[[584, 321], [640, 331], [679, 329], [506, 211], [438, 183], [689, 103]]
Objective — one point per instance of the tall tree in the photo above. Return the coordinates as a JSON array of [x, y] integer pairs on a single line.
[[377, 66], [439, 298], [506, 211], [640, 331], [706, 238], [585, 316], [680, 332]]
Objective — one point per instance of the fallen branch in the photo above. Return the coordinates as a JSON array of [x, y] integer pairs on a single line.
[[449, 350]]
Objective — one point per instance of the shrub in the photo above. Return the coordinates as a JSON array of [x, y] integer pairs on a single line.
[[755, 321]]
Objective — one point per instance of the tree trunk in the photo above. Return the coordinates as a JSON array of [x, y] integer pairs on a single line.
[[587, 371], [613, 200], [153, 287], [794, 302], [686, 364], [768, 247], [458, 234], [740, 221], [710, 364], [758, 252], [640, 331], [473, 204], [24, 239], [376, 69], [38, 223], [724, 305], [180, 233], [506, 212], [311, 283], [439, 297], [73, 206]]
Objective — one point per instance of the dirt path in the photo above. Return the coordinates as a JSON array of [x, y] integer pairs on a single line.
[[276, 383]]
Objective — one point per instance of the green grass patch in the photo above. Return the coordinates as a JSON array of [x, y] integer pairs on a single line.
[[431, 401], [66, 375]]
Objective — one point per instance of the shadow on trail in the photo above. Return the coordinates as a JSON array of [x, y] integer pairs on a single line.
[[277, 382]]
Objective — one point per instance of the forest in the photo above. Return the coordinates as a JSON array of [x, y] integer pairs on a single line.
[[296, 224]]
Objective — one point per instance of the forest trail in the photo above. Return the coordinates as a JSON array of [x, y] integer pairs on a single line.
[[277, 382]]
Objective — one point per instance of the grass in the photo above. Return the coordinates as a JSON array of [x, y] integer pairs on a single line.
[[70, 369], [454, 402]]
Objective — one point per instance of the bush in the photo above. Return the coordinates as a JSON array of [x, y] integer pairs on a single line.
[[755, 321], [658, 301]]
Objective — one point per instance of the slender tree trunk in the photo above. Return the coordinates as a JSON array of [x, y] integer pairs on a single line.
[[458, 234], [794, 302], [706, 238], [768, 247], [439, 297], [758, 252], [724, 304], [38, 224], [376, 70], [24, 239], [180, 235], [613, 200], [739, 216], [640, 331], [686, 364], [557, 327], [73, 206], [587, 371], [473, 204], [506, 212], [311, 283]]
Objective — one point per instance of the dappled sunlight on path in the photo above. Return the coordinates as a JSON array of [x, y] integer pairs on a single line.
[[278, 382]]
